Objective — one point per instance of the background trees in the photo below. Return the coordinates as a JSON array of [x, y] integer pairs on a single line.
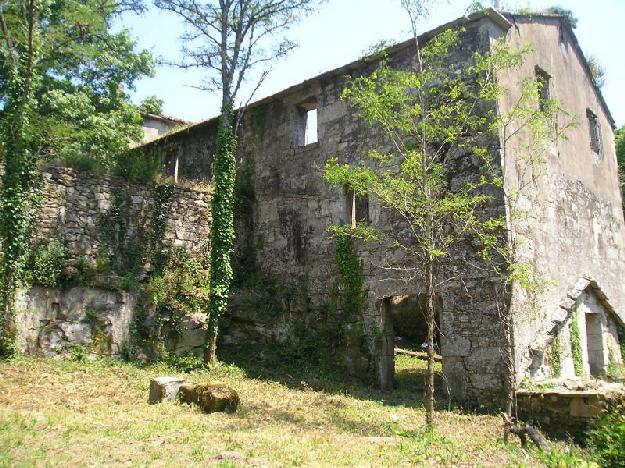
[[62, 80], [227, 39]]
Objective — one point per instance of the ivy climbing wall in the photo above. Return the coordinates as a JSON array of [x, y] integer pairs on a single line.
[[86, 211], [108, 256]]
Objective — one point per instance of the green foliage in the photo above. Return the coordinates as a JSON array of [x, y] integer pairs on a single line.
[[474, 7], [83, 163], [81, 109], [129, 255], [178, 288], [62, 74], [620, 332], [568, 15], [361, 231], [571, 457], [172, 284], [608, 437], [351, 295], [555, 357], [597, 71], [620, 157], [576, 345], [423, 123], [615, 370], [151, 105], [19, 50], [45, 264], [222, 233], [620, 146]]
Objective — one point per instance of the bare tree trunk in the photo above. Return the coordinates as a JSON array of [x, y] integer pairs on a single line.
[[210, 351], [429, 382], [7, 329]]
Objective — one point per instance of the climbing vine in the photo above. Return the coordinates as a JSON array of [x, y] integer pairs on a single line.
[[348, 296], [620, 333], [351, 292], [222, 233], [17, 194], [555, 357], [576, 346]]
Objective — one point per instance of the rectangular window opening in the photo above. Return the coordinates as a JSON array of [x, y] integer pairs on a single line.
[[595, 131], [356, 207], [307, 129], [543, 79]]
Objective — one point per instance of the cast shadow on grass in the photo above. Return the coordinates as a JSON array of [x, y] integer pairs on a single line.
[[297, 371]]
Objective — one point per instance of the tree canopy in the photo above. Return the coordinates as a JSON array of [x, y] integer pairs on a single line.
[[80, 106]]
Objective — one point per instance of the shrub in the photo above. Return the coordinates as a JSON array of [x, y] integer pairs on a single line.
[[608, 437], [45, 264], [83, 163], [137, 166]]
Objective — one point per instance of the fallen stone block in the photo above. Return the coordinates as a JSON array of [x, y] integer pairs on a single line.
[[164, 388], [209, 397]]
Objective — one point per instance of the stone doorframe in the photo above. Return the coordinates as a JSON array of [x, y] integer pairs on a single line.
[[592, 329]]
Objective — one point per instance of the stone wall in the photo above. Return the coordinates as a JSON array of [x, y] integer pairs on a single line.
[[75, 205], [102, 219], [566, 413], [286, 207], [79, 319], [566, 209]]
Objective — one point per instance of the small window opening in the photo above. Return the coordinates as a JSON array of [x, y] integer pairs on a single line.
[[307, 128], [595, 131], [543, 79], [594, 341], [356, 207]]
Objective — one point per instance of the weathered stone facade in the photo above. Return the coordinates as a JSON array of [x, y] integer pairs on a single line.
[[571, 225], [282, 230], [567, 211], [76, 211], [75, 203]]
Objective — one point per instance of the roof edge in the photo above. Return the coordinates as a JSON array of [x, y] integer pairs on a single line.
[[498, 18], [567, 26]]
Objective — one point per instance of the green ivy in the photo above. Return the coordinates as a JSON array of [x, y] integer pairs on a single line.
[[620, 332], [555, 357], [177, 289], [352, 295], [222, 233], [45, 263], [608, 436], [576, 345], [348, 297], [18, 194]]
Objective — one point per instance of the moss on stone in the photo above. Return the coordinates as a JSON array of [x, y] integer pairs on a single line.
[[209, 398]]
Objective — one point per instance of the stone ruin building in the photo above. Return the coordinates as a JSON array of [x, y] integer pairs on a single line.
[[572, 228]]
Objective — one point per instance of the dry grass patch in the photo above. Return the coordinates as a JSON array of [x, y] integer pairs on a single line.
[[55, 412]]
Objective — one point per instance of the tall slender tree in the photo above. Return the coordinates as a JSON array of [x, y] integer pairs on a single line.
[[227, 39], [430, 115], [62, 74], [21, 45]]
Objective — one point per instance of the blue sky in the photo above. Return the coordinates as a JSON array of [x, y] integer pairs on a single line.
[[343, 29]]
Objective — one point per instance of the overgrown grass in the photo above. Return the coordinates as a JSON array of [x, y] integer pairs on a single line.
[[55, 412]]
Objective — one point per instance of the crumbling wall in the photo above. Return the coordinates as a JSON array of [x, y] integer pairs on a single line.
[[566, 207], [110, 231], [75, 204], [286, 268]]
